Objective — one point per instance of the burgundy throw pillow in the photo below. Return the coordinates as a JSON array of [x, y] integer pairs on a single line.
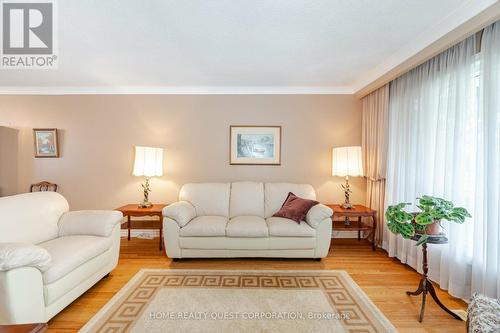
[[295, 208]]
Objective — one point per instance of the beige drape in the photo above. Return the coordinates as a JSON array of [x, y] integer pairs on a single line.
[[374, 147]]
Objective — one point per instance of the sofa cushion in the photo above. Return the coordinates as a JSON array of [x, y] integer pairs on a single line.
[[207, 198], [74, 279], [281, 227], [31, 217], [205, 226], [247, 226], [247, 198], [69, 252], [275, 194]]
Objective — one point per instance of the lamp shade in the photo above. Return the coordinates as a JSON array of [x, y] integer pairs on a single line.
[[148, 161], [346, 161]]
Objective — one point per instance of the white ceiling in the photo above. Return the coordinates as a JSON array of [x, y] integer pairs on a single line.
[[236, 46]]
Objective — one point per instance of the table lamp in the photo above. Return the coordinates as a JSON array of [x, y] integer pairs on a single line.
[[148, 163], [346, 161]]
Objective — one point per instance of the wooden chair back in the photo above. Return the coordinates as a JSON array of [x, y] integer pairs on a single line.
[[43, 187]]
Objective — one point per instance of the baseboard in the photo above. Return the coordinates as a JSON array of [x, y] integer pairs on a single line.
[[156, 233], [138, 232], [345, 234]]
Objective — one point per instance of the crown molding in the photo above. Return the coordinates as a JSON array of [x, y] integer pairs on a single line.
[[456, 26], [194, 90]]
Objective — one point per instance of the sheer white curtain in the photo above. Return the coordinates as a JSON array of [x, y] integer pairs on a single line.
[[486, 252], [435, 129]]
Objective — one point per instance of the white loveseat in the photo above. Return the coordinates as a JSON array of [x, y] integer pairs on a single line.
[[49, 256], [235, 220]]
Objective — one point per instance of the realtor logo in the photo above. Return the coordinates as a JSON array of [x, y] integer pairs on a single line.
[[28, 31]]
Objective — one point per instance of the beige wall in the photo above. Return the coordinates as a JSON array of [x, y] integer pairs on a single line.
[[8, 161], [97, 135]]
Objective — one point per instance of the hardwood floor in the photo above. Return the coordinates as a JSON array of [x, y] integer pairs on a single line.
[[383, 279]]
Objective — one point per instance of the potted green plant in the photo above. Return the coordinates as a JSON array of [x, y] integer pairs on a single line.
[[425, 223]]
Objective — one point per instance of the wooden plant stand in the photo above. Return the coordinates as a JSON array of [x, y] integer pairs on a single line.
[[425, 286]]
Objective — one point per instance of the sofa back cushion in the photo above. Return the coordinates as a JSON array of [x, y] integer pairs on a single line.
[[247, 198], [275, 195], [31, 217], [207, 198]]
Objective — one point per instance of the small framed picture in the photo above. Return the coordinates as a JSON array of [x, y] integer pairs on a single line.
[[46, 144], [255, 145]]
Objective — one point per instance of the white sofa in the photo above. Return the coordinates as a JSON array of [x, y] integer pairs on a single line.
[[49, 256], [235, 220]]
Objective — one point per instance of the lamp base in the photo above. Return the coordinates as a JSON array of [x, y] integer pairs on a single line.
[[347, 194], [146, 189], [347, 205], [145, 204]]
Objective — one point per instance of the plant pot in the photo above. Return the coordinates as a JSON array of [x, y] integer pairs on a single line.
[[434, 229]]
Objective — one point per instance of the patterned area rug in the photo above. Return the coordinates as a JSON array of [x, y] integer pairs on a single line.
[[239, 301]]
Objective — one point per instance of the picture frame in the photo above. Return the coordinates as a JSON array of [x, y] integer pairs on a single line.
[[254, 145], [46, 142]]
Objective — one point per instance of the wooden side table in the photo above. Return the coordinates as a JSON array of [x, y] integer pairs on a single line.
[[133, 210], [357, 211]]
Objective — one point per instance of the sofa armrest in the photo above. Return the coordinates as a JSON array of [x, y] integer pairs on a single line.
[[15, 255], [89, 222], [22, 300], [181, 212], [317, 214]]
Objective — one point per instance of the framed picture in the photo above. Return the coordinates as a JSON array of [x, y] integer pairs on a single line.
[[46, 144], [255, 145]]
